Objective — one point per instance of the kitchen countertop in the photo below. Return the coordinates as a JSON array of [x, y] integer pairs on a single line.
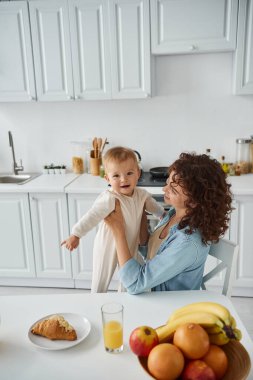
[[87, 183], [242, 185], [44, 183]]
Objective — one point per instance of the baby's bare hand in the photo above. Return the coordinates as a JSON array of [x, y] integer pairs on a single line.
[[71, 243]]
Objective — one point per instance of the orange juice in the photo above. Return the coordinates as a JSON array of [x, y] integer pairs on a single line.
[[113, 334]]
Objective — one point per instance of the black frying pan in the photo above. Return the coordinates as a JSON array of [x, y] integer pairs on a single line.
[[159, 172]]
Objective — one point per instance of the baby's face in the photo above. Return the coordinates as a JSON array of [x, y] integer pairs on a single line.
[[123, 176]]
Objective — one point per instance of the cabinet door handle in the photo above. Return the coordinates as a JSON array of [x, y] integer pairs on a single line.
[[193, 48]]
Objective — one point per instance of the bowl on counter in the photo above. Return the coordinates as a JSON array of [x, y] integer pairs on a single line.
[[238, 362]]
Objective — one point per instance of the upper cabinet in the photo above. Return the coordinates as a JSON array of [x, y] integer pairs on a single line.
[[90, 42], [51, 49], [110, 44], [243, 69], [16, 63], [82, 49], [130, 48], [193, 26]]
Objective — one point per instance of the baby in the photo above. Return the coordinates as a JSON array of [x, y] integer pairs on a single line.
[[122, 173]]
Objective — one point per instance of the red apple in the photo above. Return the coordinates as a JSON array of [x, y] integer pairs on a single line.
[[142, 340], [198, 370]]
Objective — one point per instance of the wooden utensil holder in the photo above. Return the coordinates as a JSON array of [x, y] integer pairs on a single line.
[[95, 163]]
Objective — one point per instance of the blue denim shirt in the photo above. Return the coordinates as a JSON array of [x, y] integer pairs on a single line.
[[178, 264]]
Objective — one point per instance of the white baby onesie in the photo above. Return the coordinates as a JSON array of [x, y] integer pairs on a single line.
[[104, 252]]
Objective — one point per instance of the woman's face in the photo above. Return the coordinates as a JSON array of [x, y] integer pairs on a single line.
[[173, 194]]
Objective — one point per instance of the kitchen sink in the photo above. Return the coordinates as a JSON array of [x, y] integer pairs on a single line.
[[18, 179]]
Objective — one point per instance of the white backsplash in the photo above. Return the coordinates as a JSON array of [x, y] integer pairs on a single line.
[[193, 109]]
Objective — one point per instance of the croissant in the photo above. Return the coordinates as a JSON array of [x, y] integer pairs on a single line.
[[55, 328]]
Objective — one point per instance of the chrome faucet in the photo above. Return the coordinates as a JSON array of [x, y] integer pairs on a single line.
[[16, 168]]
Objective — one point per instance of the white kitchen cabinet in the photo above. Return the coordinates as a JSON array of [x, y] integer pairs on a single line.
[[110, 48], [16, 64], [49, 215], [243, 63], [16, 258], [241, 233], [89, 29], [193, 26], [51, 49], [80, 49], [130, 48], [78, 205]]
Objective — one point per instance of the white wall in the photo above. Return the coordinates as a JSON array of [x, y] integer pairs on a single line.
[[193, 109]]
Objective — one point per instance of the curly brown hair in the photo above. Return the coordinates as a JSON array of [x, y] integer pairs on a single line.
[[208, 205]]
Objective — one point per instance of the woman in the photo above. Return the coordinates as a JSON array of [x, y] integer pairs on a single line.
[[177, 250]]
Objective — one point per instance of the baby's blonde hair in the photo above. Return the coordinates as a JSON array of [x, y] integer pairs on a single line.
[[119, 154]]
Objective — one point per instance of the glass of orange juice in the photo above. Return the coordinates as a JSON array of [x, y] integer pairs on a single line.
[[112, 318]]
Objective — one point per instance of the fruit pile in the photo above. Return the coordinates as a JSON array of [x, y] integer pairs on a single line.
[[189, 345]]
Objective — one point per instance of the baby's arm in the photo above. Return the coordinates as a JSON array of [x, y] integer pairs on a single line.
[[102, 206]]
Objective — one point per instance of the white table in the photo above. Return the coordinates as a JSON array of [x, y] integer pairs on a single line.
[[20, 360]]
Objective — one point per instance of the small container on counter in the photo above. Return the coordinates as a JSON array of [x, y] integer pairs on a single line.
[[251, 153], [87, 154], [243, 155], [102, 171], [52, 169], [78, 154], [224, 165]]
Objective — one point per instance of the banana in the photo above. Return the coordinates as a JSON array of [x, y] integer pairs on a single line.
[[233, 322], [202, 318], [213, 329], [219, 339], [237, 334], [210, 307]]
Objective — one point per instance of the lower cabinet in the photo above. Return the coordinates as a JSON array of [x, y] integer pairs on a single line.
[[34, 225], [241, 233], [16, 258], [78, 205], [49, 216]]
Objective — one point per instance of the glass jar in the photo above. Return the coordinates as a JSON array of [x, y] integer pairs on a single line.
[[78, 154], [243, 155]]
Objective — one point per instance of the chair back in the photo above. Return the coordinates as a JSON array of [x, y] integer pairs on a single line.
[[226, 252]]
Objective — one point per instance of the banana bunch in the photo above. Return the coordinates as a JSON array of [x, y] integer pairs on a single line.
[[213, 317]]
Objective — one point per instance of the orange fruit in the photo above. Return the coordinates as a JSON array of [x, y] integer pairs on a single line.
[[192, 340], [165, 362], [217, 360]]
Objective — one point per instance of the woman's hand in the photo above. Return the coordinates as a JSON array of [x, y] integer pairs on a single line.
[[115, 222], [115, 219], [144, 233]]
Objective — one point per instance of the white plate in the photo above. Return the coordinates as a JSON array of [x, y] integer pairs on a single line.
[[80, 324]]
